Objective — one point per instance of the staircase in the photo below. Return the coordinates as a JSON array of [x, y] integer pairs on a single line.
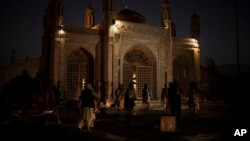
[[153, 103], [157, 102]]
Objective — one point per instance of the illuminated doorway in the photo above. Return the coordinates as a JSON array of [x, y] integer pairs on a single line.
[[182, 73], [138, 68], [79, 66]]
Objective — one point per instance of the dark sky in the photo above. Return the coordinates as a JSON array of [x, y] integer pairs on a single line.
[[21, 24]]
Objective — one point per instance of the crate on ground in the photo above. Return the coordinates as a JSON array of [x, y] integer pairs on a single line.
[[168, 123]]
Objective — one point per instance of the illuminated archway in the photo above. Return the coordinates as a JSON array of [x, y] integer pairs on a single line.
[[79, 71], [138, 67], [182, 72]]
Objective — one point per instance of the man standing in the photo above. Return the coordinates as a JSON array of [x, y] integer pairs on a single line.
[[130, 98], [87, 100], [119, 101], [146, 96]]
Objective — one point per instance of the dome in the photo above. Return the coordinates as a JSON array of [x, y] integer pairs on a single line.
[[129, 16]]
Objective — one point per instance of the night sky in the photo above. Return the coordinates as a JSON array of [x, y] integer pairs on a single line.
[[21, 24]]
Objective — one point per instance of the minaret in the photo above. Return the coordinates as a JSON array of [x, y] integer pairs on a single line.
[[53, 16], [195, 26], [52, 24], [107, 49], [166, 17], [167, 24], [89, 17], [166, 14], [195, 33]]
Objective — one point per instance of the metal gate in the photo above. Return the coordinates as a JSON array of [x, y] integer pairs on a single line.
[[77, 74], [144, 74], [139, 75]]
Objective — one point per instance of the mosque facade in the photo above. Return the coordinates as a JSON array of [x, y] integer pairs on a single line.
[[123, 48]]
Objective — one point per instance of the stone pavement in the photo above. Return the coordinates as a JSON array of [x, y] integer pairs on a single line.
[[216, 122]]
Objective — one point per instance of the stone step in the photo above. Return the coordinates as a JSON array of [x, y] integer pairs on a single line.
[[138, 103], [157, 102], [70, 110]]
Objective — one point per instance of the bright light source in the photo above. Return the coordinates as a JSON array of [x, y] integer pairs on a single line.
[[134, 76], [83, 83], [61, 32]]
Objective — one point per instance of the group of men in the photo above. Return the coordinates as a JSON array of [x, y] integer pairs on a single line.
[[171, 98]]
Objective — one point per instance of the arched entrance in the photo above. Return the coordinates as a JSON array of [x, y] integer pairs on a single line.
[[138, 68], [79, 71], [182, 72]]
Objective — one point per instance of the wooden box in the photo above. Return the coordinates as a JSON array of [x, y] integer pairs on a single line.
[[168, 123]]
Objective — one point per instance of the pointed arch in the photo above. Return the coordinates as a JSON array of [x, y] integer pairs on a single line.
[[183, 67], [139, 66], [79, 71]]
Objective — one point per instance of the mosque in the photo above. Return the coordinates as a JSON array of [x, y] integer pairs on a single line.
[[123, 48]]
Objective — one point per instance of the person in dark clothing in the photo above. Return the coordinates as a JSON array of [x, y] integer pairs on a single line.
[[56, 102], [146, 96], [130, 98], [174, 100], [164, 98], [87, 100], [171, 95], [194, 98], [120, 94], [17, 95], [102, 102], [178, 101]]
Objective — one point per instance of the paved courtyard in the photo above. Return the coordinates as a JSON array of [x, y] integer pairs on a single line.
[[217, 122]]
